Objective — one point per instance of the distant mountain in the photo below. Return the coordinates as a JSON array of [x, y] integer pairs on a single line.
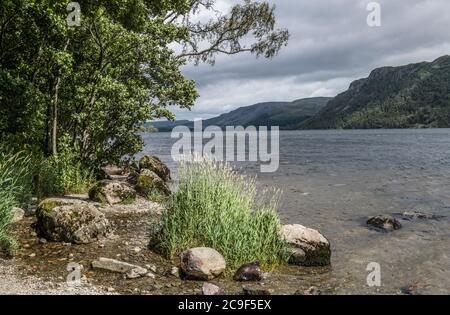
[[286, 115], [411, 96]]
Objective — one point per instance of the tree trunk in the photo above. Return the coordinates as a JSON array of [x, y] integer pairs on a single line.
[[55, 110]]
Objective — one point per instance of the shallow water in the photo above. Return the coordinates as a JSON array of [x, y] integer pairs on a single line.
[[334, 180]]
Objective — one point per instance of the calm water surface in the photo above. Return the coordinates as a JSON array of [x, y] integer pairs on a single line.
[[334, 180]]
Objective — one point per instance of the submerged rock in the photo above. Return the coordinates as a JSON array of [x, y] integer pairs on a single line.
[[248, 272], [78, 223], [149, 182], [413, 215], [154, 164], [211, 289], [310, 291], [384, 222], [309, 247], [256, 289], [112, 192], [202, 263], [118, 266]]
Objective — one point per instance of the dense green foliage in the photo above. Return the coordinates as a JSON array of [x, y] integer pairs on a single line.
[[97, 83], [412, 96], [215, 207], [15, 186]]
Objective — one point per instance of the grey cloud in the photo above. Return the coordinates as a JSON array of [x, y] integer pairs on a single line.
[[331, 45]]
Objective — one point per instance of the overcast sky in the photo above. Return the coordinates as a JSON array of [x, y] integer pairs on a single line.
[[331, 45]]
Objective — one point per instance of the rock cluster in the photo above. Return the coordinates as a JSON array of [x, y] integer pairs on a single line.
[[122, 186]]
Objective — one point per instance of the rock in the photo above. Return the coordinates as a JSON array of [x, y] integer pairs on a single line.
[[151, 268], [248, 272], [42, 241], [310, 291], [211, 289], [118, 266], [135, 273], [18, 215], [110, 171], [413, 215], [385, 223], [112, 192], [175, 271], [154, 164], [149, 182], [256, 290], [202, 263], [310, 248], [150, 275], [79, 223]]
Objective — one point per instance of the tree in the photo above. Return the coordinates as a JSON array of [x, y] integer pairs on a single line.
[[96, 84]]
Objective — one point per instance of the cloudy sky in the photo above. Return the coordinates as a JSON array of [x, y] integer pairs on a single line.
[[331, 45]]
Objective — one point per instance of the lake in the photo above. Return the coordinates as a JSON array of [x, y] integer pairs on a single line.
[[334, 180]]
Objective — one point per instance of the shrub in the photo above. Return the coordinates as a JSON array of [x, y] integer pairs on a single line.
[[216, 207], [15, 188], [62, 174]]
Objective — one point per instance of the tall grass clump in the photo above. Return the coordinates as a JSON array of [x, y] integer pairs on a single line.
[[15, 188], [62, 174], [218, 208]]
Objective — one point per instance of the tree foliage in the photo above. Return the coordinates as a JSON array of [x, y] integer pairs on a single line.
[[96, 84]]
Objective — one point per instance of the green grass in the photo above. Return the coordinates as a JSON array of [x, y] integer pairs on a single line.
[[15, 187], [61, 175], [218, 208]]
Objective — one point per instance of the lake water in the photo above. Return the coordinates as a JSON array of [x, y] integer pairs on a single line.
[[334, 180]]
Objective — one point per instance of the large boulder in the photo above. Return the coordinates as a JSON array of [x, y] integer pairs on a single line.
[[154, 164], [202, 263], [149, 182], [384, 222], [112, 192], [77, 223], [309, 247]]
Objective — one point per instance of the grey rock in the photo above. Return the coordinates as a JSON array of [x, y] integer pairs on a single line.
[[79, 223], [202, 263], [118, 266], [149, 182], [112, 192], [135, 273], [155, 165], [175, 271], [309, 247], [211, 289]]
